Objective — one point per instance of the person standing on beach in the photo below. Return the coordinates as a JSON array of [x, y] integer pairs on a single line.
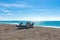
[[20, 24], [28, 24], [32, 25]]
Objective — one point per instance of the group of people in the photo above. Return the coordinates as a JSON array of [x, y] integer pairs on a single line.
[[28, 25]]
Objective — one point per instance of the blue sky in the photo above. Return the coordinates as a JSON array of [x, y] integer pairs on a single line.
[[36, 10]]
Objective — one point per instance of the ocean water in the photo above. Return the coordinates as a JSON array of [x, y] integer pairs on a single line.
[[53, 24], [36, 23], [12, 22]]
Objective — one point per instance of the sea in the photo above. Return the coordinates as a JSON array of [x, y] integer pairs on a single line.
[[53, 24]]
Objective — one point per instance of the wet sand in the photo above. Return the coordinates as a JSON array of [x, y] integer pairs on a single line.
[[10, 32]]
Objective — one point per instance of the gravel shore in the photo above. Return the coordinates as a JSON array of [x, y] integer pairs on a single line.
[[10, 32]]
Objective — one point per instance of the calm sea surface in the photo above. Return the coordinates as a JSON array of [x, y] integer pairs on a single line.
[[36, 23]]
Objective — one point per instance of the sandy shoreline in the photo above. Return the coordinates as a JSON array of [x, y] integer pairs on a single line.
[[10, 32]]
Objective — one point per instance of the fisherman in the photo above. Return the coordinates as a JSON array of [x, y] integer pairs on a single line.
[[32, 25], [28, 24], [20, 24]]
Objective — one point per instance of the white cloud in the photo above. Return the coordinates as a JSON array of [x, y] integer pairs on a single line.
[[13, 5], [30, 18], [39, 18], [9, 14], [5, 10], [9, 18]]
